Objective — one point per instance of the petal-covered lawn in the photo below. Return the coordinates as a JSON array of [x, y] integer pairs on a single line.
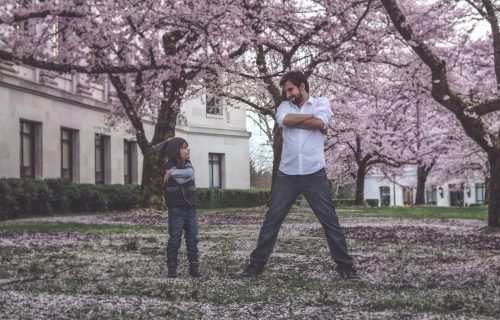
[[113, 267]]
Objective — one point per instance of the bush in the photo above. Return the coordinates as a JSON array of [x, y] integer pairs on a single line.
[[7, 201], [28, 197], [477, 205], [372, 202], [343, 202], [231, 198], [63, 191], [121, 197]]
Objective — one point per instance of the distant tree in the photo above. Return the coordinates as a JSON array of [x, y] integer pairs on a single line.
[[464, 71]]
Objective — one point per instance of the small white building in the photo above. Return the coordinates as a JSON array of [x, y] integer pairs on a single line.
[[53, 126], [402, 191]]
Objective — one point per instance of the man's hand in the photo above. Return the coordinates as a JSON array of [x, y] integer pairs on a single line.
[[168, 175]]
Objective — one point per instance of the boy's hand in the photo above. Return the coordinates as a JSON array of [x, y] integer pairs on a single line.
[[168, 175]]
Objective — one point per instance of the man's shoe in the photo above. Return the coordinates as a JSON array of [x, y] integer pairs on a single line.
[[349, 273], [172, 271], [194, 270], [252, 270]]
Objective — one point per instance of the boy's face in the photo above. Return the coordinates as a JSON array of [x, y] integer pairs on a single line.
[[185, 152]]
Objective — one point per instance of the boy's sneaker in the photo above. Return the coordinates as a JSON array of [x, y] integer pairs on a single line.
[[253, 269], [349, 273]]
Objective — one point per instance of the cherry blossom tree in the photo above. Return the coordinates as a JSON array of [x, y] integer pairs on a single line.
[[152, 52], [464, 70], [293, 35]]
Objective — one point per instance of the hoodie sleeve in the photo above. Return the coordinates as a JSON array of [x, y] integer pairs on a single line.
[[184, 174]]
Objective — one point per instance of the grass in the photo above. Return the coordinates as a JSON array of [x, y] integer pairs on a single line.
[[423, 212], [60, 227], [50, 269]]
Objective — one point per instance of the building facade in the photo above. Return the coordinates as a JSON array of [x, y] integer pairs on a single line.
[[54, 126], [402, 191]]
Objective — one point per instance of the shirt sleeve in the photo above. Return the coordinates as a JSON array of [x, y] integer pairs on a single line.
[[183, 175], [281, 113], [323, 111]]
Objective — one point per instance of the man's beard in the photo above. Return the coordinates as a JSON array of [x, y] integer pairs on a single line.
[[297, 100]]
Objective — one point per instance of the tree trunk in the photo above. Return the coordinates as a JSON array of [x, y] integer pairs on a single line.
[[359, 199], [494, 190], [422, 174], [152, 167], [152, 180]]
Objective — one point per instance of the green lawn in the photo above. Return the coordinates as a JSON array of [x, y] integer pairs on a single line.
[[113, 267], [417, 212]]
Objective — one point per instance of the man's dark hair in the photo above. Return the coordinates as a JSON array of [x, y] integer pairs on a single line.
[[295, 77]]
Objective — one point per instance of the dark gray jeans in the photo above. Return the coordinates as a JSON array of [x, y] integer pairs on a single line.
[[182, 219], [316, 189]]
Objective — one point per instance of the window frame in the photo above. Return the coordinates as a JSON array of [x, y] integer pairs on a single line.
[[127, 156], [32, 140], [433, 199], [71, 150], [216, 101], [482, 187], [211, 162], [100, 138]]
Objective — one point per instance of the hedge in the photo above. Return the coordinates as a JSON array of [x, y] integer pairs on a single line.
[[27, 197], [231, 198], [372, 202]]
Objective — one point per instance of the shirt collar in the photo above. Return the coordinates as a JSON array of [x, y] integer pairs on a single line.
[[310, 101]]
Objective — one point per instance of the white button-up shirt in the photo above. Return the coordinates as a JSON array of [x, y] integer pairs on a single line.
[[303, 149]]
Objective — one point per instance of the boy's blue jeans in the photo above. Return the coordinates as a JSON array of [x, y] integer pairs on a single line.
[[316, 189], [182, 219]]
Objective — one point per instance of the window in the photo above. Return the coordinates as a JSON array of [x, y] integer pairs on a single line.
[[213, 105], [23, 26], [215, 169], [456, 195], [407, 196], [385, 196], [480, 193], [67, 148], [30, 149], [102, 159], [27, 149], [99, 158], [129, 162], [431, 196]]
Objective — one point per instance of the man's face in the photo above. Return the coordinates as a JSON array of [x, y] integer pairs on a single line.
[[293, 93]]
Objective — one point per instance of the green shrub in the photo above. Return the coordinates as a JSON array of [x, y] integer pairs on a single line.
[[7, 200], [209, 198], [63, 191], [343, 202], [89, 198], [27, 197], [31, 197], [372, 202], [477, 205], [121, 197]]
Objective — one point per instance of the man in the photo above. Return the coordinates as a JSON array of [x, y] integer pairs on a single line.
[[302, 171]]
